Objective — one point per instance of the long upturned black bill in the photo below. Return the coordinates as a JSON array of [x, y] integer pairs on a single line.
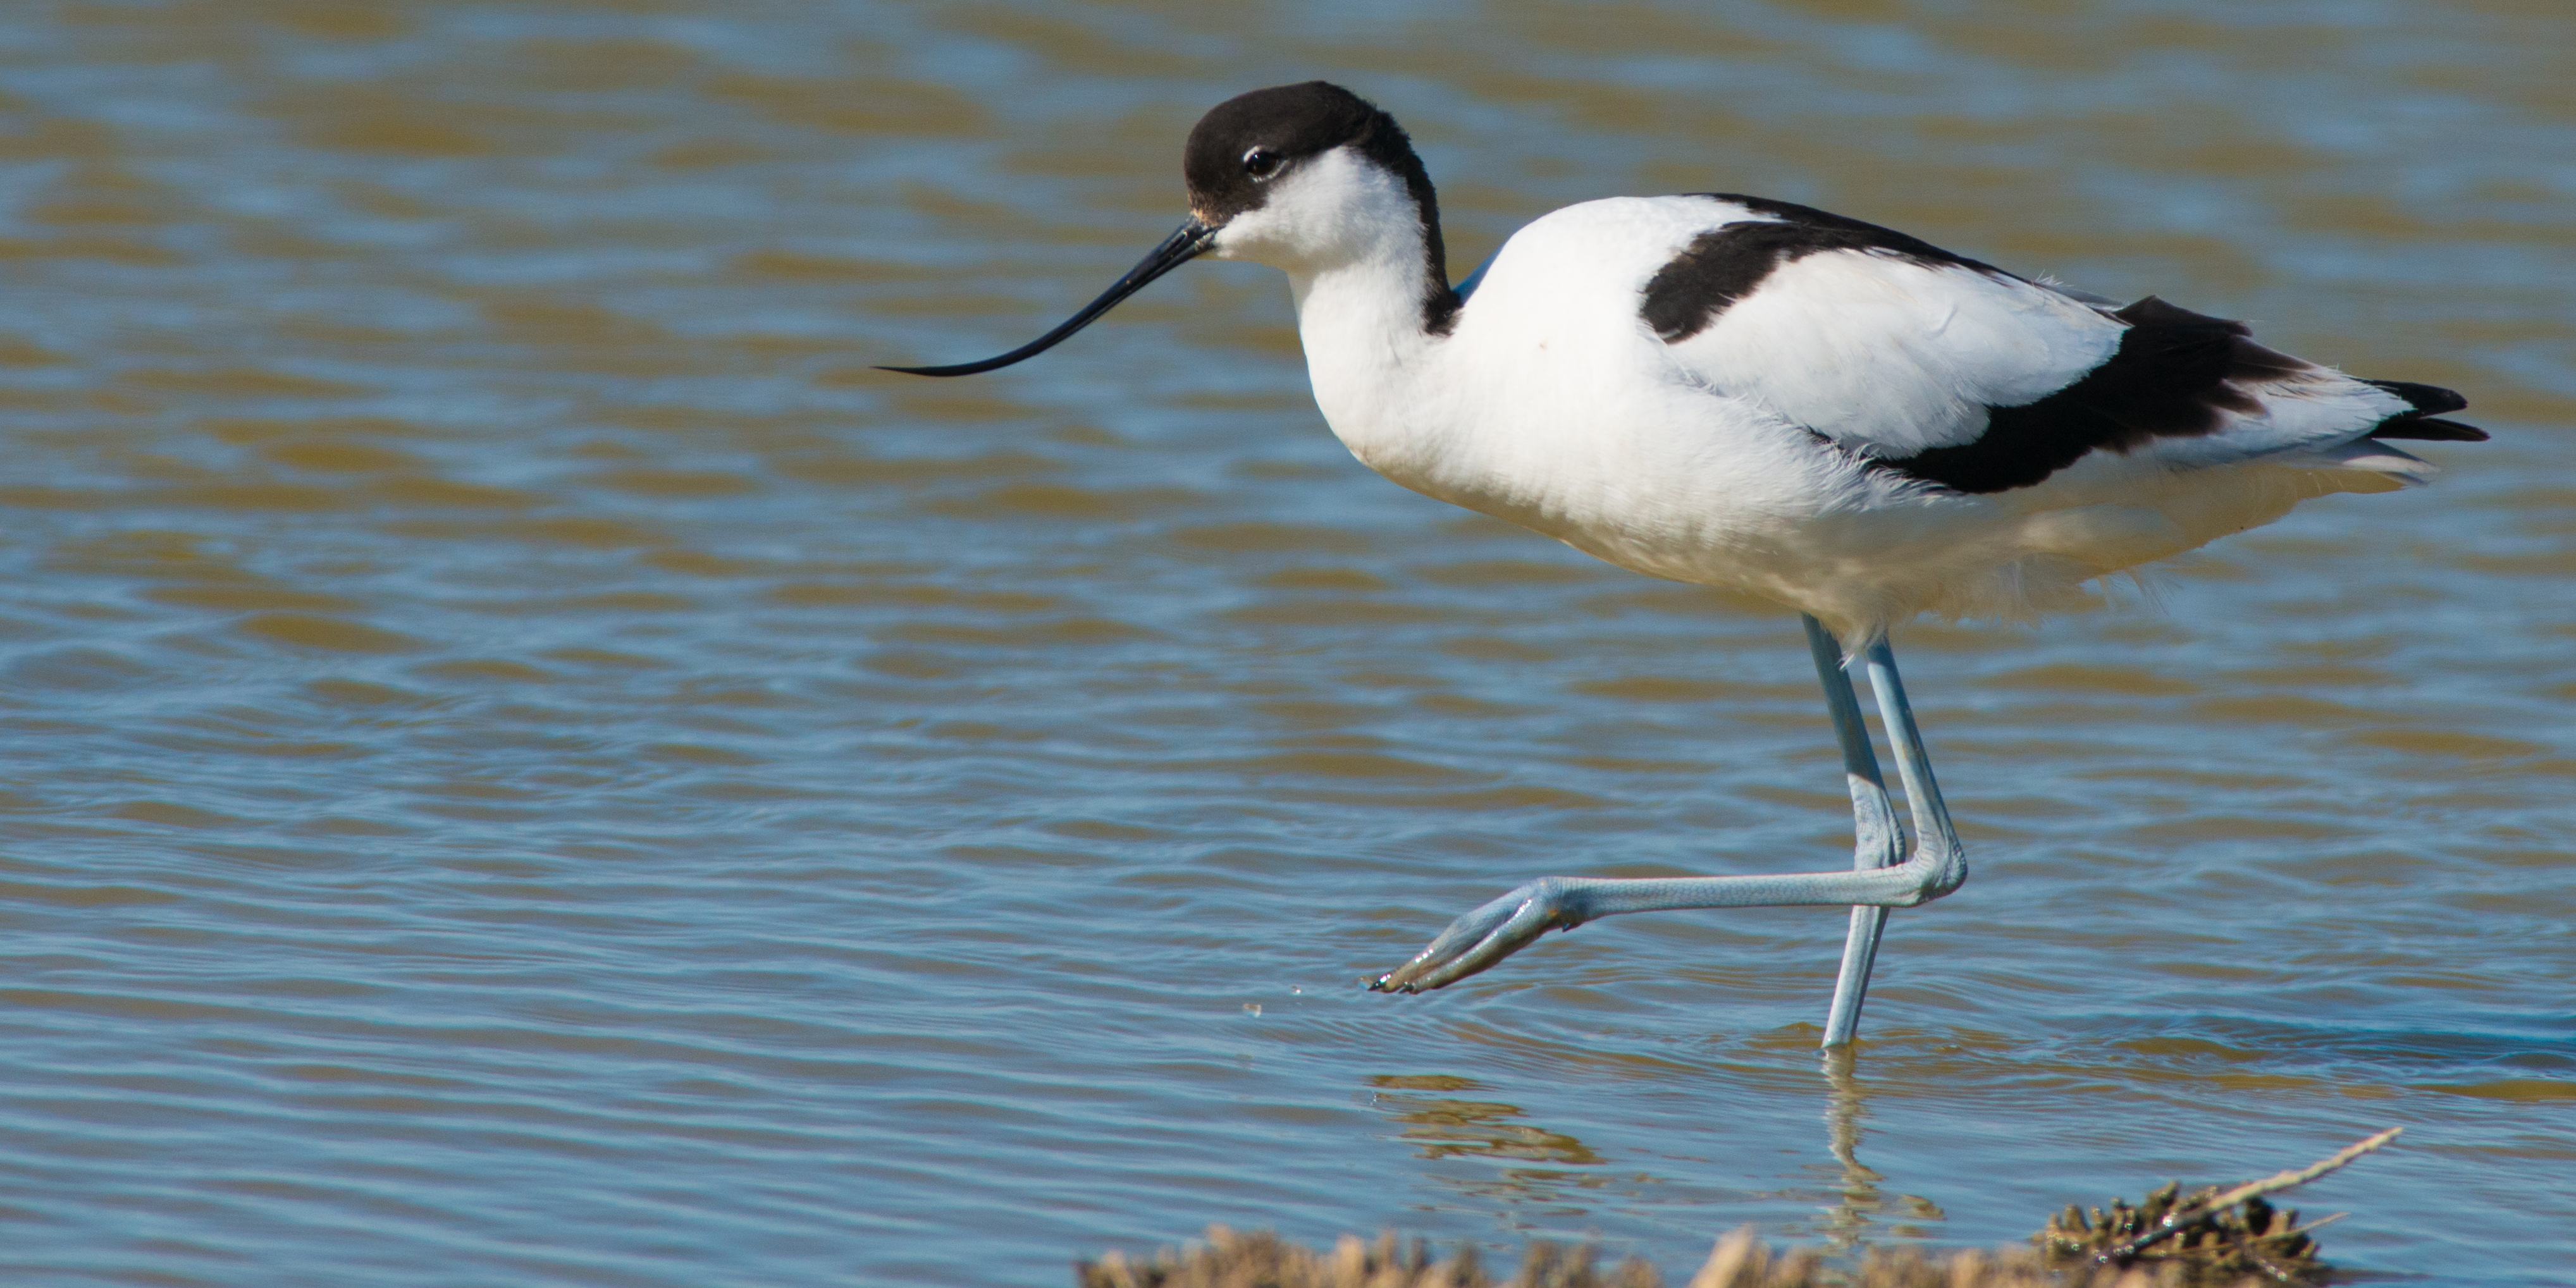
[[1178, 249]]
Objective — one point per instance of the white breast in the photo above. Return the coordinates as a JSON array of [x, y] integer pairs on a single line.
[[1553, 405]]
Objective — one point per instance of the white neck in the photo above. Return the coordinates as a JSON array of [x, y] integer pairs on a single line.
[[1352, 242], [1362, 326]]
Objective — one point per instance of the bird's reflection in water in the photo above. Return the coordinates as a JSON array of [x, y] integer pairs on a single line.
[[1543, 1172], [1548, 1176], [1861, 1204]]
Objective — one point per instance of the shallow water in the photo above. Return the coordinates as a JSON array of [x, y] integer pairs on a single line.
[[532, 765]]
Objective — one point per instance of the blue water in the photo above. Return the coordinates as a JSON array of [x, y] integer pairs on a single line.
[[532, 765]]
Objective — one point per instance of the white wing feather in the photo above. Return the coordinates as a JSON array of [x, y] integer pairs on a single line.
[[1889, 357]]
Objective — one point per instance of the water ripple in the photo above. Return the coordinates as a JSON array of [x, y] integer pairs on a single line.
[[534, 764]]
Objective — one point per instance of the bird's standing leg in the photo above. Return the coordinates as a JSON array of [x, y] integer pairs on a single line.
[[1506, 925], [1877, 842]]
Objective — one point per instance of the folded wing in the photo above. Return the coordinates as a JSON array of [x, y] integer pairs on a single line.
[[1966, 376]]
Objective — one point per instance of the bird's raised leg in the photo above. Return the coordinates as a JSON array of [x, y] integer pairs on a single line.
[[1497, 930], [1932, 830]]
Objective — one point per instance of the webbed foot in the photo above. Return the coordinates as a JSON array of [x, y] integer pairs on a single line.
[[1489, 934]]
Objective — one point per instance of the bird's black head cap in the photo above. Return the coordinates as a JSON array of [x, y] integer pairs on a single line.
[[1245, 143]]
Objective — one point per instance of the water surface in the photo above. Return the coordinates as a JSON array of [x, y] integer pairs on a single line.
[[531, 764]]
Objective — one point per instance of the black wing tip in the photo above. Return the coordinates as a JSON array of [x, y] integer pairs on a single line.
[[2428, 429], [2430, 400], [2425, 404], [928, 371]]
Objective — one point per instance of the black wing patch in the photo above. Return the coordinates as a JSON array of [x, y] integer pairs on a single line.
[[1723, 265], [2174, 376], [2169, 379]]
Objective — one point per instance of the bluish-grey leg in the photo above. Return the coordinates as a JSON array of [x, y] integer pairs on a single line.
[[1932, 831], [1506, 925], [1876, 840]]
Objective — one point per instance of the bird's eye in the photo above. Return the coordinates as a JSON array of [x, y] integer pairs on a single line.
[[1261, 163]]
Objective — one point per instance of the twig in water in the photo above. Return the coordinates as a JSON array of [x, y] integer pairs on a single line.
[[2182, 1218]]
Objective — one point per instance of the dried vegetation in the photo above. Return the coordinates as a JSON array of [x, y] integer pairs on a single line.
[[2212, 1238]]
